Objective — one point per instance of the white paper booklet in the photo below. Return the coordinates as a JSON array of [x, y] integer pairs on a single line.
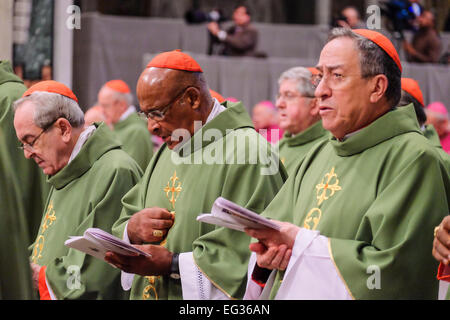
[[228, 214], [97, 242]]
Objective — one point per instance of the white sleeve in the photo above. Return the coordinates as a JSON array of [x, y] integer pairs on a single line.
[[444, 288], [311, 272], [195, 285], [126, 279]]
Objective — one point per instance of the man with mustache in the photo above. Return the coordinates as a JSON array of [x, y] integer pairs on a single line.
[[359, 214]]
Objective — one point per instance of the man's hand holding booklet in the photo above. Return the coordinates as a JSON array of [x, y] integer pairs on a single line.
[[228, 214], [224, 213], [97, 242]]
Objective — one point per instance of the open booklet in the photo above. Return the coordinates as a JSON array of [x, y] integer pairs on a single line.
[[228, 214], [97, 242]]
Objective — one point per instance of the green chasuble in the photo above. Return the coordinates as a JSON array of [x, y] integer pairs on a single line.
[[85, 194], [377, 196], [15, 272], [225, 161], [32, 182], [294, 148], [431, 134], [136, 139]]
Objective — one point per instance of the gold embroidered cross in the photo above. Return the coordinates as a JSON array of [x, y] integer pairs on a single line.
[[327, 186], [150, 288], [38, 249], [48, 217], [173, 189]]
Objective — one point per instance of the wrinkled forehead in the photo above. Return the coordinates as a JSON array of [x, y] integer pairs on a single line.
[[339, 53]]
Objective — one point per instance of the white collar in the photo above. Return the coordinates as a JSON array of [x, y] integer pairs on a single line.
[[87, 132], [216, 110], [127, 113]]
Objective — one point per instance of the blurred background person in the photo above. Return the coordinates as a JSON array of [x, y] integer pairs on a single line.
[[298, 116], [437, 115], [241, 38], [426, 44], [350, 18], [411, 93], [94, 114], [265, 119], [116, 101]]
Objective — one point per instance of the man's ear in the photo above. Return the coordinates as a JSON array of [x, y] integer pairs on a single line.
[[192, 97], [379, 85], [64, 128]]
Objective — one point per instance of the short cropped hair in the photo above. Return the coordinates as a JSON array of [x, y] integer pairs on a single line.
[[374, 61], [52, 106], [303, 78]]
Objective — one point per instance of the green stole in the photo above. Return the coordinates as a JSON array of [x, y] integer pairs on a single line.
[[377, 196], [136, 139], [85, 193], [294, 148], [190, 189]]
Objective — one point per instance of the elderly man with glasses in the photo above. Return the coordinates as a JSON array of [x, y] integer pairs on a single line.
[[299, 116], [208, 152], [88, 173]]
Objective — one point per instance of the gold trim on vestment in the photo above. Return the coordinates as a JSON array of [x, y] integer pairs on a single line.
[[337, 269]]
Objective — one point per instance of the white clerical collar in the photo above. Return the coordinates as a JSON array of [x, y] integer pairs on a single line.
[[87, 132], [127, 113], [216, 110]]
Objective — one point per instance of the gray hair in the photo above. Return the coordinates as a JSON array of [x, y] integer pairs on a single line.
[[374, 61], [303, 78], [127, 97], [52, 106]]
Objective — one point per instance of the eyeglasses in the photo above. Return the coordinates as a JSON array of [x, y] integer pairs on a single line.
[[332, 79], [29, 146], [160, 114], [289, 96]]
